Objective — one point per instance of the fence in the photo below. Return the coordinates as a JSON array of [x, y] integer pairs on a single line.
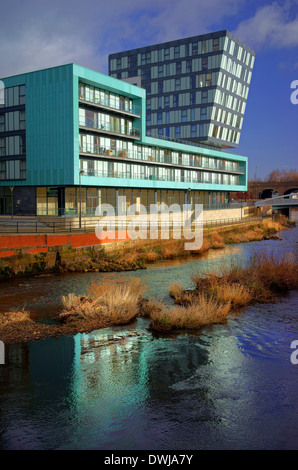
[[70, 226]]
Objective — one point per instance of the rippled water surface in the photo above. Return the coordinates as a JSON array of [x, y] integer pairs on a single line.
[[229, 386]]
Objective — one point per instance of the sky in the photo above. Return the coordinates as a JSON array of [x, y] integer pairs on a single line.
[[36, 34]]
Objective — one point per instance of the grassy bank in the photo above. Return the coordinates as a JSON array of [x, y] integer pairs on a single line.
[[145, 252], [131, 256]]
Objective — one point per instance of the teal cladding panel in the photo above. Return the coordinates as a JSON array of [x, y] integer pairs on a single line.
[[49, 126]]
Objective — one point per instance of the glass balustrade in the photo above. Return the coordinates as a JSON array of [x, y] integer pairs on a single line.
[[135, 155], [142, 176]]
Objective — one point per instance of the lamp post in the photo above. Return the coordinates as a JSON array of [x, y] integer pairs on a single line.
[[11, 197], [188, 197], [80, 199]]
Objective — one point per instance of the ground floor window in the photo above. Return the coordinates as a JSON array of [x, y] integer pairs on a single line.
[[70, 201]]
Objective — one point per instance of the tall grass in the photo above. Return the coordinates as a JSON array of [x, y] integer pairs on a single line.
[[261, 280], [201, 312], [108, 302], [14, 316]]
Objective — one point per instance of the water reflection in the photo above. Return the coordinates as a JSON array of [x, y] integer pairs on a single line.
[[228, 386]]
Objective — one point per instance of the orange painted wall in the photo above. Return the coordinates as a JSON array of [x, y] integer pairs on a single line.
[[41, 243]]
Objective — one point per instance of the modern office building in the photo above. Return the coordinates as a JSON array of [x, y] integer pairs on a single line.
[[71, 137], [196, 87]]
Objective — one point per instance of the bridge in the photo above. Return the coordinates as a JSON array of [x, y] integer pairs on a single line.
[[265, 189], [279, 202]]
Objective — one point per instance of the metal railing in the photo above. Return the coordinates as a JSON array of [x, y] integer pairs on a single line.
[[133, 155], [88, 225], [142, 176], [107, 127], [182, 141], [285, 200], [110, 103]]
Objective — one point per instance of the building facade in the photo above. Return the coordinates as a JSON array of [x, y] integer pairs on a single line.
[[196, 87], [71, 137]]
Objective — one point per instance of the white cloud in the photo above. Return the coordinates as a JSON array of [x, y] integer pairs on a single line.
[[272, 25], [37, 34]]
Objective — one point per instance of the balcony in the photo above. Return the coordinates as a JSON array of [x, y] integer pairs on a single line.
[[111, 105], [107, 128], [142, 176], [165, 160]]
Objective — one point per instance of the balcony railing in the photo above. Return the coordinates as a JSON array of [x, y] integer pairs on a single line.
[[111, 104], [142, 176], [133, 155], [109, 128]]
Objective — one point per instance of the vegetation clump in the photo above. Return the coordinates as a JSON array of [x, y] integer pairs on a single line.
[[110, 303], [216, 295]]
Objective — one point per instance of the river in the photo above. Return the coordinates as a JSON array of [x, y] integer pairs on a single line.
[[229, 386]]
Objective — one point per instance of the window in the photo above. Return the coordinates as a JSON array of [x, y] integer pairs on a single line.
[[204, 63], [132, 61], [188, 66], [160, 87], [146, 73], [215, 44], [204, 96], [175, 100], [177, 84], [176, 52], [183, 115], [208, 79], [194, 48], [148, 118], [203, 113], [177, 132], [203, 47], [214, 133], [201, 80], [148, 103], [178, 68], [22, 120], [159, 118], [193, 98], [166, 101], [22, 90], [2, 147], [160, 70], [193, 130], [159, 102], [167, 54]]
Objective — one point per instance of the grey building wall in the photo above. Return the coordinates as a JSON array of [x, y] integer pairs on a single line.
[[196, 87]]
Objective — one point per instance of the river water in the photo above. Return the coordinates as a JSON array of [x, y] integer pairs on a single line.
[[229, 386]]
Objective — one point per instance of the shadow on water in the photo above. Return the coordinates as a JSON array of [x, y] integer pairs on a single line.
[[227, 386]]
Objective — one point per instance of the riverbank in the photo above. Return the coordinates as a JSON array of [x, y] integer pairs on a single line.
[[134, 255], [108, 302]]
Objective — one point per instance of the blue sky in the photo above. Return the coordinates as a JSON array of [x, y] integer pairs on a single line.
[[37, 34]]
